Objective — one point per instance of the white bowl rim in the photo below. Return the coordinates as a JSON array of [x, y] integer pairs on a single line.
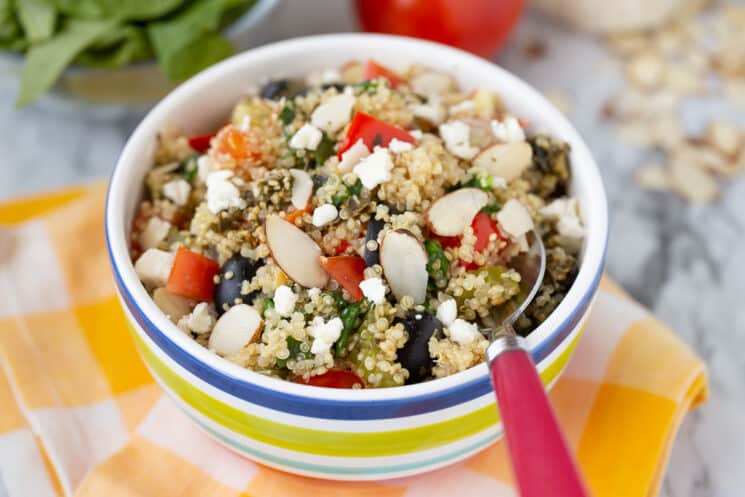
[[596, 218]]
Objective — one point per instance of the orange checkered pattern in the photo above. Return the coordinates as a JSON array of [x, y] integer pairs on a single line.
[[80, 415]]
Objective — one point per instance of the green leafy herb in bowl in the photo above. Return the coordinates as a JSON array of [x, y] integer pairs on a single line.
[[183, 35]]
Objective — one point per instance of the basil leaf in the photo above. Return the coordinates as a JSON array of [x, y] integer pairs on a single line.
[[139, 10], [202, 53], [348, 316], [287, 114], [492, 208], [324, 150], [438, 265], [186, 42], [81, 9], [45, 62], [10, 28], [37, 18], [117, 48]]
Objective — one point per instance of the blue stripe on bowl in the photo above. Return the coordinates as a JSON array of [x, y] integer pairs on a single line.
[[339, 409]]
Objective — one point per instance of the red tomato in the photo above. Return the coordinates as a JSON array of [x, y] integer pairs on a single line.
[[479, 26], [201, 143], [192, 275], [374, 70], [483, 227], [342, 247], [447, 241], [373, 132], [348, 271], [334, 378]]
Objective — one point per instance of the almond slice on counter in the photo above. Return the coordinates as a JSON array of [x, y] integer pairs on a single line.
[[404, 262], [295, 252], [506, 160], [302, 188], [239, 326], [450, 214]]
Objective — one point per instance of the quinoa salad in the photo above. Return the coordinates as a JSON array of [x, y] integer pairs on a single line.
[[355, 228]]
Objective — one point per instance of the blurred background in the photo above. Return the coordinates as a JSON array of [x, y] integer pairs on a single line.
[[657, 89]]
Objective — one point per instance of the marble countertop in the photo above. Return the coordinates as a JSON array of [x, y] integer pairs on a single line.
[[677, 259]]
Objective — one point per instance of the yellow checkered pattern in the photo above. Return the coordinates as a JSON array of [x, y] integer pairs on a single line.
[[80, 415]]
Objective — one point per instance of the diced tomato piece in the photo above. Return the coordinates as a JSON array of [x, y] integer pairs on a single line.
[[447, 241], [233, 142], [342, 247], [334, 378], [483, 227], [374, 70], [201, 143], [373, 132], [192, 275], [348, 271]]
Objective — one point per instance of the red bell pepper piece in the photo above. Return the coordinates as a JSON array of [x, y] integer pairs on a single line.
[[342, 247], [483, 227], [334, 378], [201, 143], [348, 271], [374, 70], [373, 132], [192, 275]]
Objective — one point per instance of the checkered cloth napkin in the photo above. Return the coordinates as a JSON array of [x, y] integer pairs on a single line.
[[80, 415]]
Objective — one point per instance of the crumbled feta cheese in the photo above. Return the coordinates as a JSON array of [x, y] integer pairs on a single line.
[[431, 83], [514, 218], [154, 266], [201, 319], [508, 130], [375, 168], [205, 166], [456, 135], [221, 193], [463, 332], [463, 106], [433, 111], [333, 114], [307, 137], [177, 191], [324, 334], [374, 290], [284, 300], [324, 214], [353, 155], [498, 182], [314, 291], [417, 134], [155, 232], [397, 146], [566, 213], [447, 311]]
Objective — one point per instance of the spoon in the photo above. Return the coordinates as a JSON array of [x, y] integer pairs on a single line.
[[541, 461]]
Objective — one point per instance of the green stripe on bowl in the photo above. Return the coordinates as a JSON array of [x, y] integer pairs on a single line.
[[333, 443]]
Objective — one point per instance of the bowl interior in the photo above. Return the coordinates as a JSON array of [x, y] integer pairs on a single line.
[[201, 104]]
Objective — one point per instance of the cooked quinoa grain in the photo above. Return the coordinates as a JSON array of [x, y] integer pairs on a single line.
[[278, 200]]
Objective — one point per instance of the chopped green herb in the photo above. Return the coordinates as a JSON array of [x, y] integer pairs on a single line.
[[266, 305], [295, 352], [348, 316], [482, 182], [351, 191], [324, 150], [319, 180], [188, 168], [287, 114], [369, 85], [492, 208], [438, 265]]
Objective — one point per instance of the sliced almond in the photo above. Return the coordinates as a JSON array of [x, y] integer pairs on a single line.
[[514, 219], [173, 306], [725, 137], [653, 177], [334, 113], [432, 83], [692, 182], [239, 326], [295, 252], [302, 188], [506, 160], [404, 262], [450, 214], [646, 70]]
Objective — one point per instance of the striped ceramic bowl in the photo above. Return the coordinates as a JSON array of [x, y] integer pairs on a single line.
[[330, 433]]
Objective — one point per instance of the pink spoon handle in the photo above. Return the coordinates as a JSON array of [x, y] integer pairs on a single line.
[[540, 458]]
